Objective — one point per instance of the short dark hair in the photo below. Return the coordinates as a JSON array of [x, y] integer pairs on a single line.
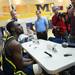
[[69, 7], [10, 25]]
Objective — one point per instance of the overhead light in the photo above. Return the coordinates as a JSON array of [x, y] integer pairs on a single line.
[[41, 1], [18, 1], [60, 0]]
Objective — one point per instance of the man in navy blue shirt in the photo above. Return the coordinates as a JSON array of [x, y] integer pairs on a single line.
[[41, 26]]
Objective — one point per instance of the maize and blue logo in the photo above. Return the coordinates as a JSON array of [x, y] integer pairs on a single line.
[[44, 7]]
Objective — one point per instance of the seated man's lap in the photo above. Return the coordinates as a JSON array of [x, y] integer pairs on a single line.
[[28, 70], [34, 69]]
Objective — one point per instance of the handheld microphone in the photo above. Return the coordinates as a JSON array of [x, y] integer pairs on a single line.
[[65, 44], [72, 45]]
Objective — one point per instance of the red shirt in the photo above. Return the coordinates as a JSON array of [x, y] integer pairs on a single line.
[[58, 22], [54, 20], [61, 25]]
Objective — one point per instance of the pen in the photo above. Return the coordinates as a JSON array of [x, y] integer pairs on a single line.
[[48, 54], [67, 55]]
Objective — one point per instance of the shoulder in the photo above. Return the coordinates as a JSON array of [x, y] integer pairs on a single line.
[[36, 22], [11, 43], [15, 46], [43, 18]]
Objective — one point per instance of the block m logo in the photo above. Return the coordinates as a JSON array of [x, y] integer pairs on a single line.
[[42, 7]]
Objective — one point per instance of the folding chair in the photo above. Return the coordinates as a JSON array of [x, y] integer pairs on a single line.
[[9, 67]]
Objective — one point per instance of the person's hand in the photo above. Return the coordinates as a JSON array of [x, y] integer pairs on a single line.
[[27, 59], [54, 27], [29, 62]]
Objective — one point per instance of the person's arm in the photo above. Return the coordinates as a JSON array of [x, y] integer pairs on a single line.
[[18, 59], [54, 22], [35, 25], [46, 24]]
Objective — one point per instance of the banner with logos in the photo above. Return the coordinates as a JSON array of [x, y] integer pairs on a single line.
[[27, 8]]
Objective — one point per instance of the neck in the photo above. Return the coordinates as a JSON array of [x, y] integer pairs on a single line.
[[39, 17]]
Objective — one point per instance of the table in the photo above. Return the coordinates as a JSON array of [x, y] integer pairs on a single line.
[[57, 62]]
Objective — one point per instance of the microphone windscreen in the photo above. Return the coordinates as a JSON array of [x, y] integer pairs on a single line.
[[65, 44]]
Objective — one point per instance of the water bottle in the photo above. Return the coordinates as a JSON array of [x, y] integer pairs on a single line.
[[35, 40]]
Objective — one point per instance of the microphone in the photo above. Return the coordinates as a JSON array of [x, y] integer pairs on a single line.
[[64, 44], [72, 45]]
